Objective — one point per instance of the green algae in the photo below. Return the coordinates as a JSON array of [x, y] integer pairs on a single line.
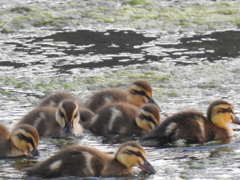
[[20, 9], [135, 13], [138, 2], [110, 79], [5, 92]]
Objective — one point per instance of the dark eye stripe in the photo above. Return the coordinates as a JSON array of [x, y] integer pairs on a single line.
[[25, 138], [228, 110], [148, 118], [61, 114], [136, 153], [142, 93], [75, 116]]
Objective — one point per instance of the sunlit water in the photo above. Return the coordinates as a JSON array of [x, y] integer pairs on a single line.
[[187, 73]]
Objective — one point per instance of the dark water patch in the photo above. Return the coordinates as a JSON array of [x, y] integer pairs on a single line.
[[12, 64], [107, 42], [214, 46], [111, 48]]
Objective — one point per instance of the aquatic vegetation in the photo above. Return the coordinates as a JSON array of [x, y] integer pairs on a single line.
[[138, 14], [137, 2], [186, 71]]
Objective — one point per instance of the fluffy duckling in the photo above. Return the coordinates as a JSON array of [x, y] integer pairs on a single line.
[[22, 141], [193, 127], [86, 161], [138, 93], [55, 99], [124, 118], [56, 123]]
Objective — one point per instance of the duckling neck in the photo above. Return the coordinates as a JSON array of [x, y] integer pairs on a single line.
[[114, 167], [7, 149], [221, 131]]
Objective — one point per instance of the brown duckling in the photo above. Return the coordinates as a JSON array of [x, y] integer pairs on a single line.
[[55, 122], [86, 161], [55, 99], [138, 93], [22, 141], [124, 118], [193, 127]]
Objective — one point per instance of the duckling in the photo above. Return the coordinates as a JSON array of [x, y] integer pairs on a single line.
[[85, 115], [55, 123], [138, 93], [194, 127], [123, 118], [22, 141], [86, 161], [55, 99]]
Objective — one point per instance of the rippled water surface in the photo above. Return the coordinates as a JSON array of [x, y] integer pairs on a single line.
[[185, 72]]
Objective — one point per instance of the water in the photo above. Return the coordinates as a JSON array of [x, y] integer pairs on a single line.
[[185, 72]]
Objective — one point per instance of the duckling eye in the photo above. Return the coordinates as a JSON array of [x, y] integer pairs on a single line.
[[138, 154], [135, 153], [142, 93], [25, 138], [75, 116], [147, 118], [229, 110], [61, 114]]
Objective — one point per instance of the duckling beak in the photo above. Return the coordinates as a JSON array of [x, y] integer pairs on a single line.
[[151, 100], [146, 166], [236, 120], [33, 153], [68, 128]]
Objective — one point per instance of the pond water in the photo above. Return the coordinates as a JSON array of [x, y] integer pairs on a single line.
[[186, 70]]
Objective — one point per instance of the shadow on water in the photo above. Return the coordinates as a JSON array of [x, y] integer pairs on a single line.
[[124, 47], [214, 46]]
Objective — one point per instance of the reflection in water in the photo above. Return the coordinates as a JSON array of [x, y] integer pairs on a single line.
[[214, 46], [94, 49]]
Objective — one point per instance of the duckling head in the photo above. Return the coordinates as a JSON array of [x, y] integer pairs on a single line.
[[220, 112], [139, 93], [25, 138], [148, 117], [68, 117], [132, 154]]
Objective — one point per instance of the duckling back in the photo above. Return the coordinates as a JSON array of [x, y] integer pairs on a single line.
[[117, 118], [124, 118], [4, 132], [105, 97], [56, 98], [189, 126], [72, 161], [44, 120]]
